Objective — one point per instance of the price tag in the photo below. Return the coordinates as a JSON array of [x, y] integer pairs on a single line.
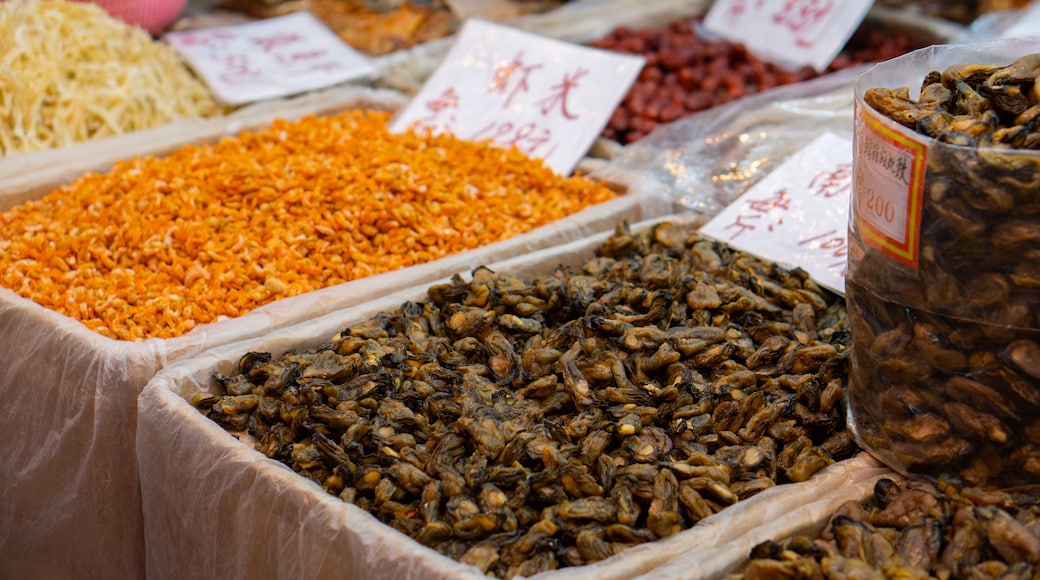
[[889, 173], [1027, 23], [798, 215], [791, 33], [548, 98], [270, 58]]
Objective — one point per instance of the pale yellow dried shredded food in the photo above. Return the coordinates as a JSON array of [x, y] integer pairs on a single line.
[[69, 72]]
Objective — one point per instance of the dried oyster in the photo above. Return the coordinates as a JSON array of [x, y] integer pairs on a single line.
[[961, 328], [955, 531], [521, 426]]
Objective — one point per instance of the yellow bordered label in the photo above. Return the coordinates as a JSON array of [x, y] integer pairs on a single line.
[[889, 187]]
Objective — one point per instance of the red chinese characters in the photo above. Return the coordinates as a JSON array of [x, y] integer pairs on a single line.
[[757, 209], [236, 68], [445, 103], [738, 8], [210, 39], [513, 80], [834, 183], [527, 137], [274, 41], [561, 91], [511, 77], [804, 18], [292, 51], [833, 244], [239, 56]]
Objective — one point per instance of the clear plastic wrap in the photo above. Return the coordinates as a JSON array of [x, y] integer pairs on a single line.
[[991, 26], [941, 285], [71, 498], [711, 158]]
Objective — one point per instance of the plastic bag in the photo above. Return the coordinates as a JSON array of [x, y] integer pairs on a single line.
[[990, 26], [711, 158], [942, 284]]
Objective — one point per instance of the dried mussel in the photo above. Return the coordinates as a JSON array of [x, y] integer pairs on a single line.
[[913, 531], [945, 378], [527, 425]]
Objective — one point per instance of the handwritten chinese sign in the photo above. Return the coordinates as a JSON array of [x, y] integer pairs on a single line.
[[549, 99], [788, 32], [798, 214], [270, 58]]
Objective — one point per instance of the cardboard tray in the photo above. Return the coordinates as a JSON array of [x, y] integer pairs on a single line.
[[71, 504], [215, 507]]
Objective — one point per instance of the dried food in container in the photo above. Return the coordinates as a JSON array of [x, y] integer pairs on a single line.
[[686, 72], [522, 425], [159, 245], [913, 530], [944, 377], [70, 72]]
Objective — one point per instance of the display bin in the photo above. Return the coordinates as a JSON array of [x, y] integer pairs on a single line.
[[215, 507], [889, 527], [808, 516], [27, 176], [71, 504]]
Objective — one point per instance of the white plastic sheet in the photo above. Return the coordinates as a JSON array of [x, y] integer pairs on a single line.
[[69, 495], [215, 507]]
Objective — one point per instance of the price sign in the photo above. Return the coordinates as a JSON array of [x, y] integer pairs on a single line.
[[889, 172], [792, 33], [270, 58], [548, 98], [797, 215]]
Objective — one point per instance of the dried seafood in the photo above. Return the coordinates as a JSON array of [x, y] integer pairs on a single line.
[[946, 357], [522, 426], [914, 531], [977, 106]]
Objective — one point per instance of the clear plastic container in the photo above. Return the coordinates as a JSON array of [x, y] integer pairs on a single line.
[[943, 289]]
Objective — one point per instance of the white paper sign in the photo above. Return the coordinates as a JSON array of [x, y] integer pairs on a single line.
[[792, 33], [270, 58], [798, 215], [549, 98]]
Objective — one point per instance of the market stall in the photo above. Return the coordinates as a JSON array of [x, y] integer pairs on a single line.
[[285, 337], [570, 449], [107, 333]]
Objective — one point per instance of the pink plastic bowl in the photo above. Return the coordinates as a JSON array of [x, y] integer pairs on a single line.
[[151, 15]]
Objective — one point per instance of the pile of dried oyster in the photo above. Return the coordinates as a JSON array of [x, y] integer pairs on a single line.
[[975, 105], [914, 531], [522, 426], [946, 357]]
